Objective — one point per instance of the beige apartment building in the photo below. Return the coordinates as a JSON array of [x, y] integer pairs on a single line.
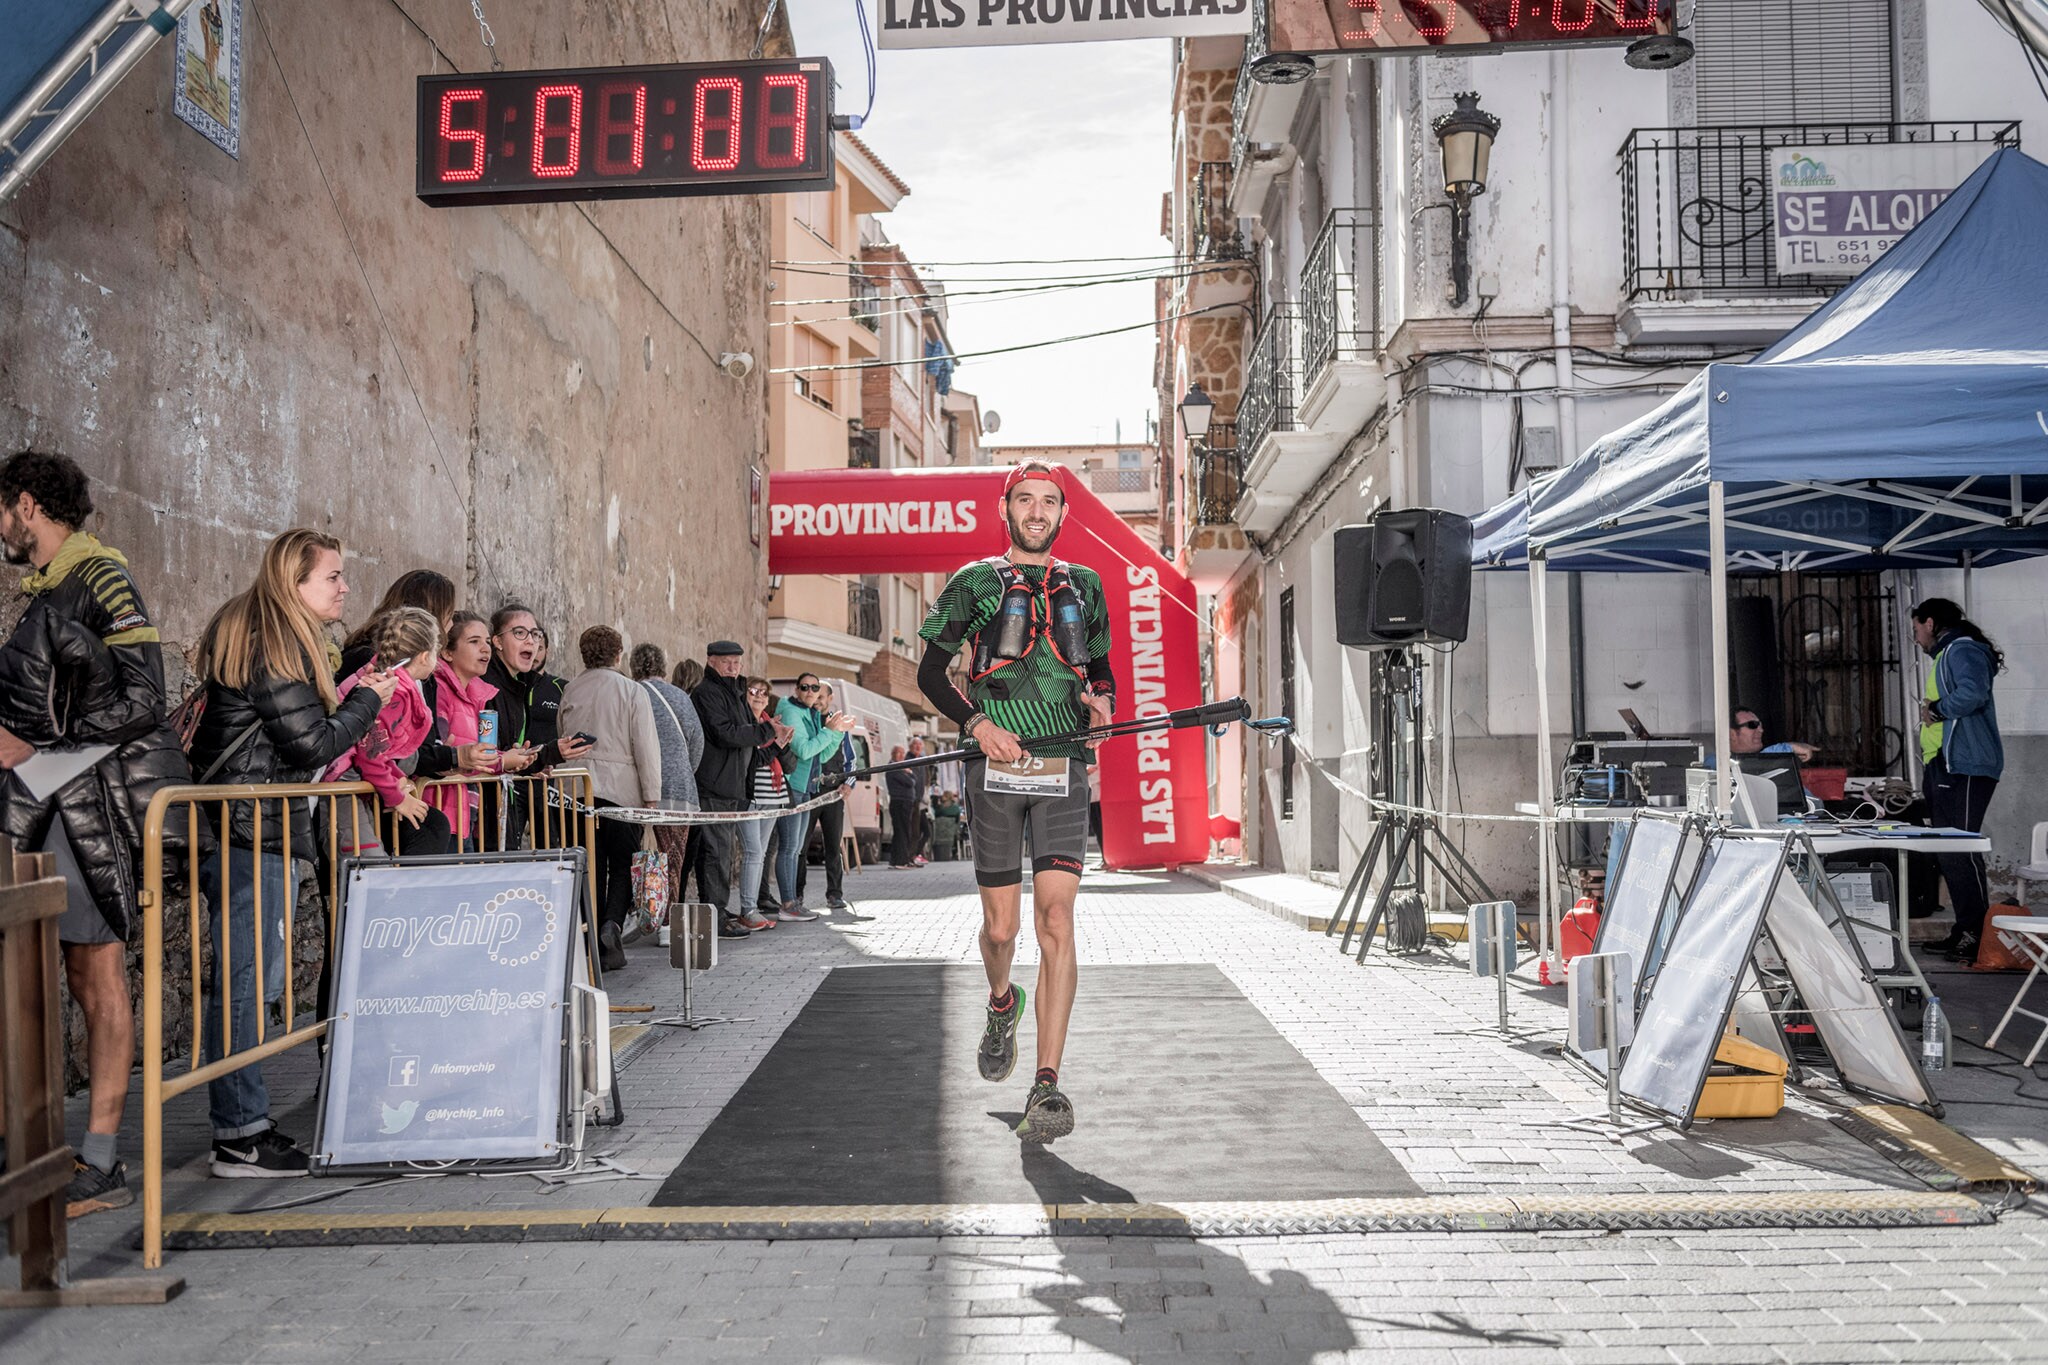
[[845, 295]]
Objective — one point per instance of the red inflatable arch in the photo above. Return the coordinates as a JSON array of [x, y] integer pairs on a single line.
[[1155, 791]]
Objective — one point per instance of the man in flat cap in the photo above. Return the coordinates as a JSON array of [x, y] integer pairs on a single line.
[[731, 734]]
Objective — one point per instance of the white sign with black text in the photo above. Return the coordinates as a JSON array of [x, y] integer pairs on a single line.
[[1835, 209], [986, 23]]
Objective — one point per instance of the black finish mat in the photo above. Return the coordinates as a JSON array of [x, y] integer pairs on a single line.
[[1182, 1092]]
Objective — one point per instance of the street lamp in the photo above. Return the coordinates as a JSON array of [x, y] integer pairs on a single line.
[[1465, 137], [1195, 411]]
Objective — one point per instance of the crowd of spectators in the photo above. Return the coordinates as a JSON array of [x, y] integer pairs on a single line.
[[421, 689]]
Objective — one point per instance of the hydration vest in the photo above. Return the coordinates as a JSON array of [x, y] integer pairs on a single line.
[[1055, 612]]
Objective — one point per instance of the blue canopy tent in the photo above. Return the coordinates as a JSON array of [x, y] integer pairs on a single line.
[[1903, 425]]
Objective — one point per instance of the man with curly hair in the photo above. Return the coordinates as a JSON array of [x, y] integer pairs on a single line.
[[84, 667]]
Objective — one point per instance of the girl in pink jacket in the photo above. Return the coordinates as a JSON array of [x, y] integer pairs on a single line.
[[460, 696], [406, 635]]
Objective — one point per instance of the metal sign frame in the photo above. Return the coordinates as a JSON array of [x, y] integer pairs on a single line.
[[569, 1112]]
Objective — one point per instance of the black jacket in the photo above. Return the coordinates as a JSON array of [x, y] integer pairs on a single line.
[[527, 705], [902, 785], [731, 734], [293, 740], [84, 666]]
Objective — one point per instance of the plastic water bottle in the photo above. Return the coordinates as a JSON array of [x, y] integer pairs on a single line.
[[1934, 1037], [1013, 631]]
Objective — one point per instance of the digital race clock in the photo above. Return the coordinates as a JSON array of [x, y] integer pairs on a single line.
[[1410, 26], [622, 132]]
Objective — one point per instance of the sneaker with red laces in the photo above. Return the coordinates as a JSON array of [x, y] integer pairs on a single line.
[[756, 921]]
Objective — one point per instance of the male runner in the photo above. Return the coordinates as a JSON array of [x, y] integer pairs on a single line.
[[1037, 632]]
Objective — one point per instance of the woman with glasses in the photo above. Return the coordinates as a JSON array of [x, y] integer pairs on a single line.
[[528, 704]]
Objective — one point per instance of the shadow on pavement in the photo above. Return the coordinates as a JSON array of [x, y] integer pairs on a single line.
[[1133, 1296]]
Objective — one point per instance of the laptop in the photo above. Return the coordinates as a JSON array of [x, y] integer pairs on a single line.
[[1782, 772], [1635, 724]]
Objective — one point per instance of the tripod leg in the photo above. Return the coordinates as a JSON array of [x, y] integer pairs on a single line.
[[1465, 865], [1350, 886], [1458, 884], [1386, 891], [1354, 891]]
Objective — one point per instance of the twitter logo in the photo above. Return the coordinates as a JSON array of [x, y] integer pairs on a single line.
[[399, 1119]]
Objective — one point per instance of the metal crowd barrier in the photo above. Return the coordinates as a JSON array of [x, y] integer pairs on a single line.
[[551, 804]]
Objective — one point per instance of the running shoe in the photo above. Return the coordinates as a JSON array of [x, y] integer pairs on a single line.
[[93, 1190], [756, 921], [998, 1054], [794, 913], [835, 902], [269, 1155], [1048, 1114], [730, 927]]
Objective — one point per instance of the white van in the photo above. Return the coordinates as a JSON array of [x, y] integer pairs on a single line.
[[883, 725]]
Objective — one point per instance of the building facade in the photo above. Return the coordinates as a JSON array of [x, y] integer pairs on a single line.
[[1125, 476], [526, 398], [826, 314], [1622, 241]]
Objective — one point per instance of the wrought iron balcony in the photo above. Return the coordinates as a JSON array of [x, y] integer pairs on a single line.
[[1697, 207], [863, 448], [1215, 234], [1272, 380], [1340, 291], [1256, 45], [1216, 475], [866, 308], [864, 611]]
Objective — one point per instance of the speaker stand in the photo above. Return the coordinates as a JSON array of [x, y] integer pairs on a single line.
[[1407, 838]]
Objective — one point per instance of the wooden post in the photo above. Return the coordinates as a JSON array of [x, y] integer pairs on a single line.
[[39, 1164]]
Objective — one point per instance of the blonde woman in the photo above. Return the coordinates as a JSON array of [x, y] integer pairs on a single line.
[[272, 715]]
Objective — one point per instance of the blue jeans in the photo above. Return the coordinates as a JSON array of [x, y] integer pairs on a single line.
[[239, 1101], [753, 856], [789, 855]]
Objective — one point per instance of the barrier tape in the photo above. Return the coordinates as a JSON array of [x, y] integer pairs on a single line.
[[655, 815], [1377, 803]]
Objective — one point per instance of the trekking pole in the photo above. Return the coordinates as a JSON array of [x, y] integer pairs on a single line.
[[1217, 713]]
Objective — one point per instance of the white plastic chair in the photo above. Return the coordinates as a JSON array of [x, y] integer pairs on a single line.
[[2036, 869]]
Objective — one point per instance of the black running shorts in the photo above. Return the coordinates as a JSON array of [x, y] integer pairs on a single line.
[[998, 821]]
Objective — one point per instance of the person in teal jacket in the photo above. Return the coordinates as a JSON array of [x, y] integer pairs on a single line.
[[812, 738], [1961, 753]]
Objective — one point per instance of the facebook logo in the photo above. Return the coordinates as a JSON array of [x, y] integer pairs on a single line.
[[405, 1071]]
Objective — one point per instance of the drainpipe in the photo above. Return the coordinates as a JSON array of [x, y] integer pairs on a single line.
[[1561, 340]]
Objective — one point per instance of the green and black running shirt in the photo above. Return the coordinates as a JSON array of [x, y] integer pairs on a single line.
[[1036, 695]]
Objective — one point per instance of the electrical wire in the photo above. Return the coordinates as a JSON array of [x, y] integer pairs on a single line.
[[1004, 350], [1012, 287], [856, 122], [1044, 260], [840, 270]]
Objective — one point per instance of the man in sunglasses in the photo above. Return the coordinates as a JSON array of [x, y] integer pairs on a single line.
[[1746, 736]]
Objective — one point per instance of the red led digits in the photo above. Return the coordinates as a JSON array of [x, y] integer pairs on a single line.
[[1641, 23], [1578, 25], [1370, 9], [1432, 22], [453, 137], [568, 131], [772, 122], [621, 116], [706, 122]]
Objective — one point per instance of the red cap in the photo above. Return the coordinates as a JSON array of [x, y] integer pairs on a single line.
[[1054, 474]]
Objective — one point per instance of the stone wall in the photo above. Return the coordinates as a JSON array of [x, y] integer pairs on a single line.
[[525, 398]]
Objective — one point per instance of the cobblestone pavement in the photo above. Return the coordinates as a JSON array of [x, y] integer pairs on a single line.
[[1411, 1046]]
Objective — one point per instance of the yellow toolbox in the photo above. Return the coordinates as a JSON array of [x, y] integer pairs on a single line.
[[1746, 1081]]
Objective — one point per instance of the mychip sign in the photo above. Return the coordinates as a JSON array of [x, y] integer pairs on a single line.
[[1836, 209], [448, 1012]]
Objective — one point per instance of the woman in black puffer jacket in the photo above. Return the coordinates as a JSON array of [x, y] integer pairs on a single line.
[[271, 716]]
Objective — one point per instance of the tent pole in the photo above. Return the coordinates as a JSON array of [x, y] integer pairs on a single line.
[[1539, 615], [1717, 579], [1970, 584]]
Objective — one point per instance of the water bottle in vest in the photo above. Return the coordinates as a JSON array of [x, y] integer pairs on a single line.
[[1013, 623], [1068, 632]]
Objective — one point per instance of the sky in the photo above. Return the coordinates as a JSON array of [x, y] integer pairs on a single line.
[[1055, 151]]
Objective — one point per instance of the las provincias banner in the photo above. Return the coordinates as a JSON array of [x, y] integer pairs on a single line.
[[1155, 796], [989, 23]]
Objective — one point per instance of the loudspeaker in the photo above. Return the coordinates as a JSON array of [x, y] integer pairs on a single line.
[[1404, 578]]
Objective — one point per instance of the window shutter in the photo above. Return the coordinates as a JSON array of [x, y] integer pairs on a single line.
[[1793, 61]]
